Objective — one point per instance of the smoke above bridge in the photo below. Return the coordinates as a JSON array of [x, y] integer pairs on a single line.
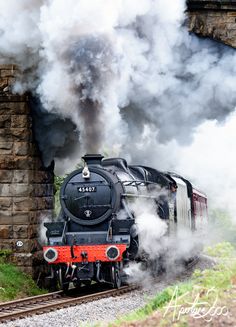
[[121, 76]]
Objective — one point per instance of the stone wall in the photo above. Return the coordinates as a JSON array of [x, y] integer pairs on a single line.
[[213, 18], [26, 186]]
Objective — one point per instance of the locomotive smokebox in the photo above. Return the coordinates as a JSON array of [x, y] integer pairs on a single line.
[[93, 159]]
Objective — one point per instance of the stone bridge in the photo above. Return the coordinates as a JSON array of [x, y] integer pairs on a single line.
[[26, 186], [213, 18]]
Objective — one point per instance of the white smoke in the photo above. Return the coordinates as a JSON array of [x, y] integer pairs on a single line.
[[42, 238], [152, 233], [214, 160], [162, 244], [150, 227], [117, 69], [129, 78], [138, 274]]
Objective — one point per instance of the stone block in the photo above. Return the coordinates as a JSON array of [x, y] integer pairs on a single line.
[[5, 121], [16, 162], [214, 14], [21, 218], [21, 134], [5, 217], [34, 217], [20, 231], [21, 189], [14, 108], [41, 177], [21, 148], [5, 135], [13, 98], [45, 203], [5, 203], [231, 14], [8, 67], [6, 231], [7, 244], [6, 162], [42, 190], [8, 190], [7, 73], [15, 134], [21, 121], [5, 190], [21, 176], [24, 204], [230, 28], [3, 83], [6, 176], [6, 151], [23, 162], [6, 147], [33, 231]]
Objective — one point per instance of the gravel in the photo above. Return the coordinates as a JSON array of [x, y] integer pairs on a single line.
[[107, 309]]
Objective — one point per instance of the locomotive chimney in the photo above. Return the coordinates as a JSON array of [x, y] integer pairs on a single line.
[[93, 159]]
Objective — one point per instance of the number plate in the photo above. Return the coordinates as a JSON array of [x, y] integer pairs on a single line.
[[84, 189]]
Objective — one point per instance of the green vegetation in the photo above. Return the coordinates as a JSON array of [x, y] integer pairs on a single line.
[[4, 255], [222, 250], [14, 283], [207, 286]]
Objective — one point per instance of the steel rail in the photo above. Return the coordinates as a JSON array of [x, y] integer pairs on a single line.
[[30, 300], [53, 301]]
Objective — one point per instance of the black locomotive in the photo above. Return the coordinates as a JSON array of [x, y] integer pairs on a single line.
[[92, 240]]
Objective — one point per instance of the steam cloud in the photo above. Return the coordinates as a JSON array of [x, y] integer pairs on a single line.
[[150, 227], [161, 248], [124, 76]]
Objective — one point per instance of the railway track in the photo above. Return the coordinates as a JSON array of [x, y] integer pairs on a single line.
[[57, 300], [53, 301]]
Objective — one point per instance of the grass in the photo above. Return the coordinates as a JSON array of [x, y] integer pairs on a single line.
[[206, 286], [14, 283]]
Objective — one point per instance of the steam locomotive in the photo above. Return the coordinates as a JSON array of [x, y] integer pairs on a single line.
[[91, 240]]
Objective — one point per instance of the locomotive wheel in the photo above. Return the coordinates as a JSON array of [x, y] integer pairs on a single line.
[[116, 276], [64, 284]]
